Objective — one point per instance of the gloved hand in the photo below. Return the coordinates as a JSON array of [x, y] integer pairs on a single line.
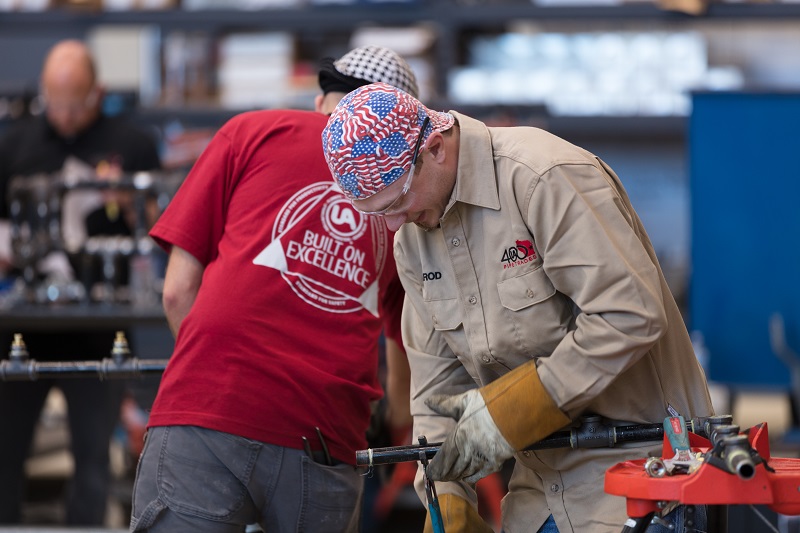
[[458, 516], [476, 448], [508, 414]]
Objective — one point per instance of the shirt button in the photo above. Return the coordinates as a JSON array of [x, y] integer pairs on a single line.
[[526, 453], [456, 241], [485, 358], [473, 300], [555, 487], [434, 319], [529, 293]]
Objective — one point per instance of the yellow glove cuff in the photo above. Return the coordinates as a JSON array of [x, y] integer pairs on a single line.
[[521, 407], [458, 516]]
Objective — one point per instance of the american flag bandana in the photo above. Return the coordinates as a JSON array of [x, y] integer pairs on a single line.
[[370, 137]]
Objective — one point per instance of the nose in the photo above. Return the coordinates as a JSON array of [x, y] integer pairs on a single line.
[[393, 222]]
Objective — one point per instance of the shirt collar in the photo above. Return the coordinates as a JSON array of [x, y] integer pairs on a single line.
[[476, 182]]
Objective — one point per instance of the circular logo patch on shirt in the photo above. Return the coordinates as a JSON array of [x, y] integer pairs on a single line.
[[341, 220], [324, 251]]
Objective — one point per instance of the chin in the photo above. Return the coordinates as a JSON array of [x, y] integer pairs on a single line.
[[420, 222], [425, 227]]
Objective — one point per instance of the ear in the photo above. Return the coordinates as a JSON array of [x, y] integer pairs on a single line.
[[435, 145], [318, 102]]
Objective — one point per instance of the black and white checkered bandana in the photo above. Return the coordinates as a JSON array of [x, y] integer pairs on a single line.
[[376, 64]]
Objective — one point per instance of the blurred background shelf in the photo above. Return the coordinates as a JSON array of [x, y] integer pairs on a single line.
[[449, 27], [614, 77], [443, 12]]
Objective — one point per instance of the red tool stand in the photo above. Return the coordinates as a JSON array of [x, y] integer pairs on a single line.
[[776, 485]]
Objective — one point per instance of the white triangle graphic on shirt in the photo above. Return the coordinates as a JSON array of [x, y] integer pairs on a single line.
[[369, 299], [273, 256]]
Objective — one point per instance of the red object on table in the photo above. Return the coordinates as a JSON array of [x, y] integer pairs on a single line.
[[709, 485]]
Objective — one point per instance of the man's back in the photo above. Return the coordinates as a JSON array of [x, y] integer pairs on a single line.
[[289, 265]]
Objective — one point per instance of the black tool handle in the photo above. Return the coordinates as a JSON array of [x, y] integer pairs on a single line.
[[395, 454]]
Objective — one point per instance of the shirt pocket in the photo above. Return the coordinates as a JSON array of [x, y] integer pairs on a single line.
[[525, 290], [532, 320], [447, 319], [445, 314]]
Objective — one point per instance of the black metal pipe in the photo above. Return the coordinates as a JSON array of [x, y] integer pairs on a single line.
[[108, 368], [559, 439], [593, 432], [396, 454], [606, 436], [638, 433]]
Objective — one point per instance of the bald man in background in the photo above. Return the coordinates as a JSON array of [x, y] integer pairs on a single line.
[[72, 127]]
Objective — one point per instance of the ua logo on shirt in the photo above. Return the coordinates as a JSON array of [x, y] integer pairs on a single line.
[[329, 254]]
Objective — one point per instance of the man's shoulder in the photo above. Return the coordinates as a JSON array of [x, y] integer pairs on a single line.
[[514, 135], [536, 148], [264, 117], [258, 124]]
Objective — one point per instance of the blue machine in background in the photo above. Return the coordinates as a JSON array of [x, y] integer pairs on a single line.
[[744, 153]]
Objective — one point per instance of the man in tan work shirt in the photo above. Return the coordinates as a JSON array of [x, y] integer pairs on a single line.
[[534, 296]]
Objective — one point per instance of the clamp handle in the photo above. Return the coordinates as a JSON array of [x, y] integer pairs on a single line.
[[430, 491]]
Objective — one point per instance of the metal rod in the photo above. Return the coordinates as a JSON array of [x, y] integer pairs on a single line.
[[561, 439], [395, 454], [593, 432], [108, 368], [638, 433]]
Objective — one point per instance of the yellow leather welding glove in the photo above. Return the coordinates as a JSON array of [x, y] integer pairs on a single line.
[[458, 516], [508, 414]]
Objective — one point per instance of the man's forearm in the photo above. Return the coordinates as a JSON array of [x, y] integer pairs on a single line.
[[181, 285], [398, 383], [176, 312]]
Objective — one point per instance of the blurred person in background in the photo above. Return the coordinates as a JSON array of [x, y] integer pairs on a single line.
[[533, 297], [277, 291], [72, 126]]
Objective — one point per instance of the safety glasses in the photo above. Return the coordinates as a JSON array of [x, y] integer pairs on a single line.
[[392, 208]]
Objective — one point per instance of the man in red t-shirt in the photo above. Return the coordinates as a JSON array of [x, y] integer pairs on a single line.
[[277, 291]]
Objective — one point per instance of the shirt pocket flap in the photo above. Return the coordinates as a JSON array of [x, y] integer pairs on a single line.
[[525, 290], [445, 314]]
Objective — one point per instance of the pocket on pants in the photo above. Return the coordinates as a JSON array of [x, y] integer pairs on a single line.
[[148, 517], [193, 477], [146, 506], [331, 498]]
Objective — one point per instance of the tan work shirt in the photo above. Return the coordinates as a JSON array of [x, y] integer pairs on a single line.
[[540, 255]]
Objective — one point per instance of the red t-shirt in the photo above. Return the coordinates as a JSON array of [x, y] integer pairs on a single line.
[[283, 335]]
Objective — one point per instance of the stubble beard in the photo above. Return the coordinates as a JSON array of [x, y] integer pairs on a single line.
[[423, 227]]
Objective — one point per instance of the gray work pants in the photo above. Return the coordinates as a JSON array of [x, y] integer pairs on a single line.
[[195, 479]]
